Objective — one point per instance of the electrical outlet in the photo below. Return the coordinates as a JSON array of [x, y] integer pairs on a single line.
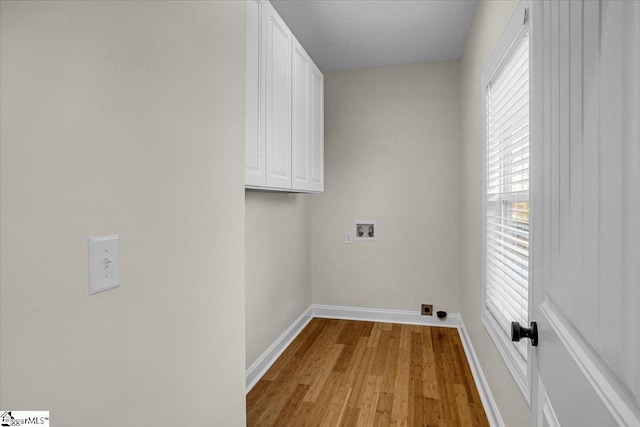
[[427, 310]]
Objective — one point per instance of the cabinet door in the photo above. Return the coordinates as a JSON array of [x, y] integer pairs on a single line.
[[301, 124], [255, 160], [278, 100], [316, 116]]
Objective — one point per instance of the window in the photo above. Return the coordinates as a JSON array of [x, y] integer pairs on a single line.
[[506, 194]]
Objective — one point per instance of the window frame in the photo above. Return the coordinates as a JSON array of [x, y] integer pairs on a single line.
[[519, 25]]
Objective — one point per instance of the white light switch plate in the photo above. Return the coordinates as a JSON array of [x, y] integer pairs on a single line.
[[348, 237], [104, 263]]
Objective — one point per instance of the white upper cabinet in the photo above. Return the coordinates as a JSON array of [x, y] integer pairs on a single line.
[[301, 123], [254, 143], [278, 100], [316, 116], [285, 121], [307, 143]]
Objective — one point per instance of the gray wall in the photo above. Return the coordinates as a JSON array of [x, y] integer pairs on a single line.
[[392, 154], [278, 282], [123, 117], [489, 22]]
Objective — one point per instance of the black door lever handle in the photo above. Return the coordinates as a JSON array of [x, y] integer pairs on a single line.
[[518, 332]]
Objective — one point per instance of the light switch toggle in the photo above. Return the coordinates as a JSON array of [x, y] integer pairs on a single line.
[[104, 263]]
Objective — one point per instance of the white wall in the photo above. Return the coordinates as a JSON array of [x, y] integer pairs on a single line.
[[489, 22], [123, 117], [392, 154], [277, 271]]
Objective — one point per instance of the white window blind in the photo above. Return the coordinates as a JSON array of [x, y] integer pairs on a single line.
[[507, 193]]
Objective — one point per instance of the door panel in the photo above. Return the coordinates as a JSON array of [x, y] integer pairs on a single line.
[[546, 414], [586, 261], [630, 258]]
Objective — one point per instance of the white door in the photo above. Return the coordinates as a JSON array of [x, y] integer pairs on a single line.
[[300, 122], [278, 99], [586, 223]]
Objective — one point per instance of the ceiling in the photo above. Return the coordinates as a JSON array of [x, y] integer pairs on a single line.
[[345, 34]]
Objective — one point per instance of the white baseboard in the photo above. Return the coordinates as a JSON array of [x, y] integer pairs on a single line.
[[453, 320], [386, 316], [489, 404], [264, 362]]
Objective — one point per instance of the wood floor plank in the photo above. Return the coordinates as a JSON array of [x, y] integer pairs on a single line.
[[354, 364], [462, 404], [315, 327], [321, 407], [467, 376], [348, 331], [380, 358], [269, 404], [262, 399], [314, 359], [351, 373], [286, 382], [286, 394], [375, 335], [383, 410], [300, 417], [293, 404], [431, 413], [446, 402], [257, 392], [369, 401], [258, 399], [350, 336], [298, 348], [360, 377], [400, 409], [337, 407], [479, 416], [415, 408], [415, 416], [326, 364], [386, 326], [365, 329], [429, 379], [389, 375], [350, 418]]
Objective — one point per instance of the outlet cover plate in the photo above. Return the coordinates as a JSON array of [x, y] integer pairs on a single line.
[[427, 310]]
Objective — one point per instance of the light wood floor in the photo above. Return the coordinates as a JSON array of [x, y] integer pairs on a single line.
[[349, 373]]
